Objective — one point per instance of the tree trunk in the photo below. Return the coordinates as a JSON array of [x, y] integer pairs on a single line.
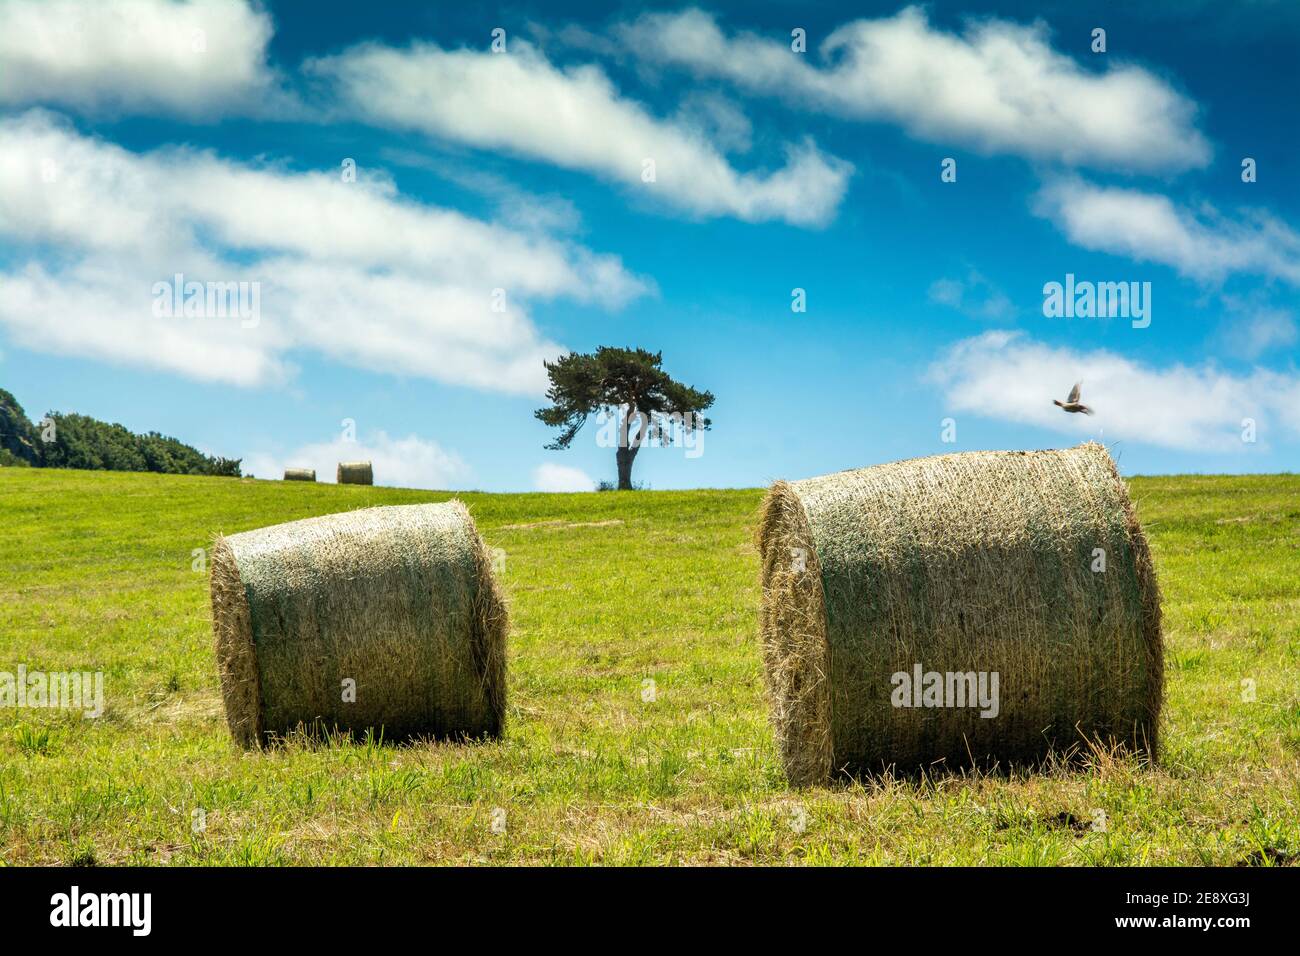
[[625, 456], [628, 447]]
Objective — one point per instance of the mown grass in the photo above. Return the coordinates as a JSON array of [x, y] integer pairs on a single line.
[[608, 591]]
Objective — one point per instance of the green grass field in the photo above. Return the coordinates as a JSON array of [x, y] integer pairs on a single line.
[[607, 591]]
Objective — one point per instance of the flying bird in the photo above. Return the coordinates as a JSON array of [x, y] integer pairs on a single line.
[[1072, 403]]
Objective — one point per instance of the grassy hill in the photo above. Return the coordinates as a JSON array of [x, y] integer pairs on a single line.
[[608, 590]]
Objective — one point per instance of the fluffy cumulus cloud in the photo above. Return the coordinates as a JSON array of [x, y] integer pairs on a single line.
[[349, 270], [1198, 242], [1007, 376], [997, 87], [190, 57], [410, 462], [553, 477], [575, 118]]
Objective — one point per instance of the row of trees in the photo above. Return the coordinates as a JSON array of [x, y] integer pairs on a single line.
[[78, 441]]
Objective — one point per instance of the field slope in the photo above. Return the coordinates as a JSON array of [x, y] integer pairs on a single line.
[[608, 592]]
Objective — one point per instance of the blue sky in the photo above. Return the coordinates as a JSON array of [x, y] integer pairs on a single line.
[[208, 138]]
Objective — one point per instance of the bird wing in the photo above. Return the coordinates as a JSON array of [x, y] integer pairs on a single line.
[[1074, 393]]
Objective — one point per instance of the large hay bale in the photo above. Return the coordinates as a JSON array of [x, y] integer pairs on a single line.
[[300, 474], [401, 600], [355, 473], [980, 562]]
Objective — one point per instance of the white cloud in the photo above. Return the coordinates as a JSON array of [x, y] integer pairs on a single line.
[[351, 270], [1254, 325], [974, 296], [1264, 331], [519, 208], [999, 87], [409, 462], [719, 119], [189, 57], [576, 118], [1148, 227], [1005, 376], [553, 477]]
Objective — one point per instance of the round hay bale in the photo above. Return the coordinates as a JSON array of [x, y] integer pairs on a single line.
[[355, 473], [300, 474], [964, 566], [401, 601]]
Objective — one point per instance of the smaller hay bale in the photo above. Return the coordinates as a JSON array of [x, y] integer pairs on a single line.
[[378, 619], [300, 474], [355, 473], [881, 581]]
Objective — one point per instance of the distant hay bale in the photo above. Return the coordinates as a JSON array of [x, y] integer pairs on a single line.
[[300, 474], [958, 565], [400, 600], [355, 473]]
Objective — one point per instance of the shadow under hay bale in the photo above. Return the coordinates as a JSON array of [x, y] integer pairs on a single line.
[[889, 592], [355, 473], [300, 474], [383, 619]]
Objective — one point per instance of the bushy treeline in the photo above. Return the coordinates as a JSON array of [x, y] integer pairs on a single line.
[[78, 441]]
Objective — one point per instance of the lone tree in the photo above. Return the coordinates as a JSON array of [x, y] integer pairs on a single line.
[[629, 384]]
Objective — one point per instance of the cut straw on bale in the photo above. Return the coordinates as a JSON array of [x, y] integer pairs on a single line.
[[1028, 565], [398, 603], [300, 474], [355, 473]]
